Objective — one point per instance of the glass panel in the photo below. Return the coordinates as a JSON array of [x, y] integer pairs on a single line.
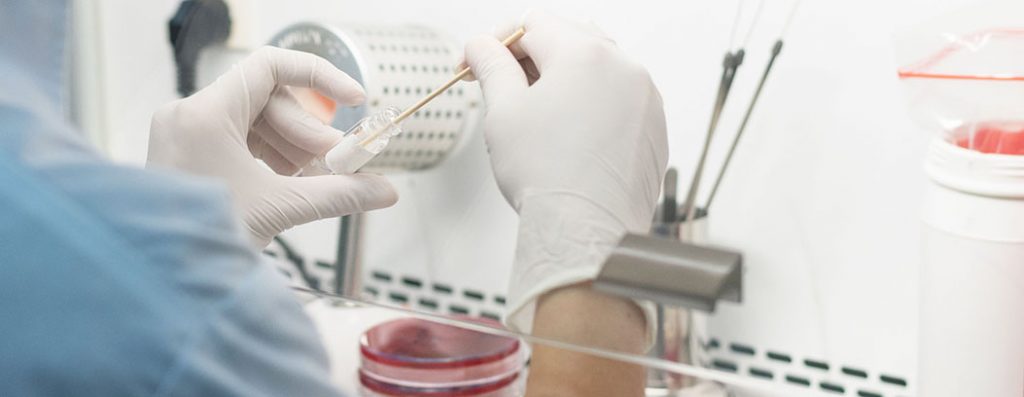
[[357, 334], [819, 315]]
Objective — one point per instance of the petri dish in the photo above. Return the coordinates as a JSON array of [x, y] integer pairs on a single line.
[[414, 357]]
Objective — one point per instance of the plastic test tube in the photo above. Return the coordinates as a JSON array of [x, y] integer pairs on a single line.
[[352, 153]]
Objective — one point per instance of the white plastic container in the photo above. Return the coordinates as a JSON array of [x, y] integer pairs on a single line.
[[972, 279]]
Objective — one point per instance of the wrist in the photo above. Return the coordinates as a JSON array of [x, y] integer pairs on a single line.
[[563, 239], [566, 227]]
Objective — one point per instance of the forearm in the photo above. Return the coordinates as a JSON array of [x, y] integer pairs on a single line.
[[562, 242], [579, 184], [581, 316]]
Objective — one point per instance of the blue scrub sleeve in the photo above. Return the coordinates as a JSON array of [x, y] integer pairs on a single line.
[[115, 280]]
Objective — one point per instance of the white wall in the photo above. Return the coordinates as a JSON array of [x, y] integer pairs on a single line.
[[822, 196]]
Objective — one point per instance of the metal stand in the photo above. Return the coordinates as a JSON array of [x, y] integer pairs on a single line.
[[683, 279], [348, 269]]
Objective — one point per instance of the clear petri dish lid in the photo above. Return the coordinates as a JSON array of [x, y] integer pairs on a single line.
[[504, 387], [423, 354], [416, 343]]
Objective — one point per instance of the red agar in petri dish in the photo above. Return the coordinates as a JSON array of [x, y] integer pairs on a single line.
[[413, 357], [993, 138]]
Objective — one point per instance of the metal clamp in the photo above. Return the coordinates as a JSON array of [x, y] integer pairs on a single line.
[[672, 272]]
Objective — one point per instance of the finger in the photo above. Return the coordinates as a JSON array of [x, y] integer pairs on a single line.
[[542, 22], [532, 74], [331, 196], [461, 64], [501, 33], [283, 157], [592, 28], [257, 146], [280, 164], [493, 64], [507, 29], [297, 133], [263, 71], [544, 33], [534, 18], [548, 35]]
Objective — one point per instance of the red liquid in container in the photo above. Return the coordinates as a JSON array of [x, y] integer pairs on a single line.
[[996, 138], [413, 357]]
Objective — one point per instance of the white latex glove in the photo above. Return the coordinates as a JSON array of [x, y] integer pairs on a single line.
[[249, 114], [576, 134]]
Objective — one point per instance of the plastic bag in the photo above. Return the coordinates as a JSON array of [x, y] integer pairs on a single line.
[[965, 79]]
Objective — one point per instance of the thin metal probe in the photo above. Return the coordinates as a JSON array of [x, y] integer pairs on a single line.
[[730, 65], [753, 23], [735, 23], [776, 49], [670, 206], [789, 19], [515, 36]]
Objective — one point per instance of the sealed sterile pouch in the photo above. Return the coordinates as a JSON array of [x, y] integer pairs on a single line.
[[964, 77]]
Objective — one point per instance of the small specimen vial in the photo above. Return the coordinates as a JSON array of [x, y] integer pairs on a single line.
[[363, 142]]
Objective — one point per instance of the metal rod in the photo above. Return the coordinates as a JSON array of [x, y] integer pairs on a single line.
[[348, 267], [735, 25], [636, 359], [730, 65], [670, 206], [515, 36], [776, 49], [753, 24]]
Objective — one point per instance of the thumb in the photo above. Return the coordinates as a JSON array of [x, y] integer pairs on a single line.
[[307, 199], [494, 65]]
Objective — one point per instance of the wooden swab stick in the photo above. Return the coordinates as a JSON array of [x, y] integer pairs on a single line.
[[440, 90]]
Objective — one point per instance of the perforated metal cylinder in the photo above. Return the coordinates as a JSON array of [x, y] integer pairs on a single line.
[[397, 66]]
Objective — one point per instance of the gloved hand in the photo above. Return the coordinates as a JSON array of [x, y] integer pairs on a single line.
[[249, 114], [576, 134]]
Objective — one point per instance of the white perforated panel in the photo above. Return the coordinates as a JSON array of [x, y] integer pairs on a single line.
[[397, 66]]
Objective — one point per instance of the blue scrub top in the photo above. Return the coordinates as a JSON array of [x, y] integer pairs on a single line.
[[117, 280]]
